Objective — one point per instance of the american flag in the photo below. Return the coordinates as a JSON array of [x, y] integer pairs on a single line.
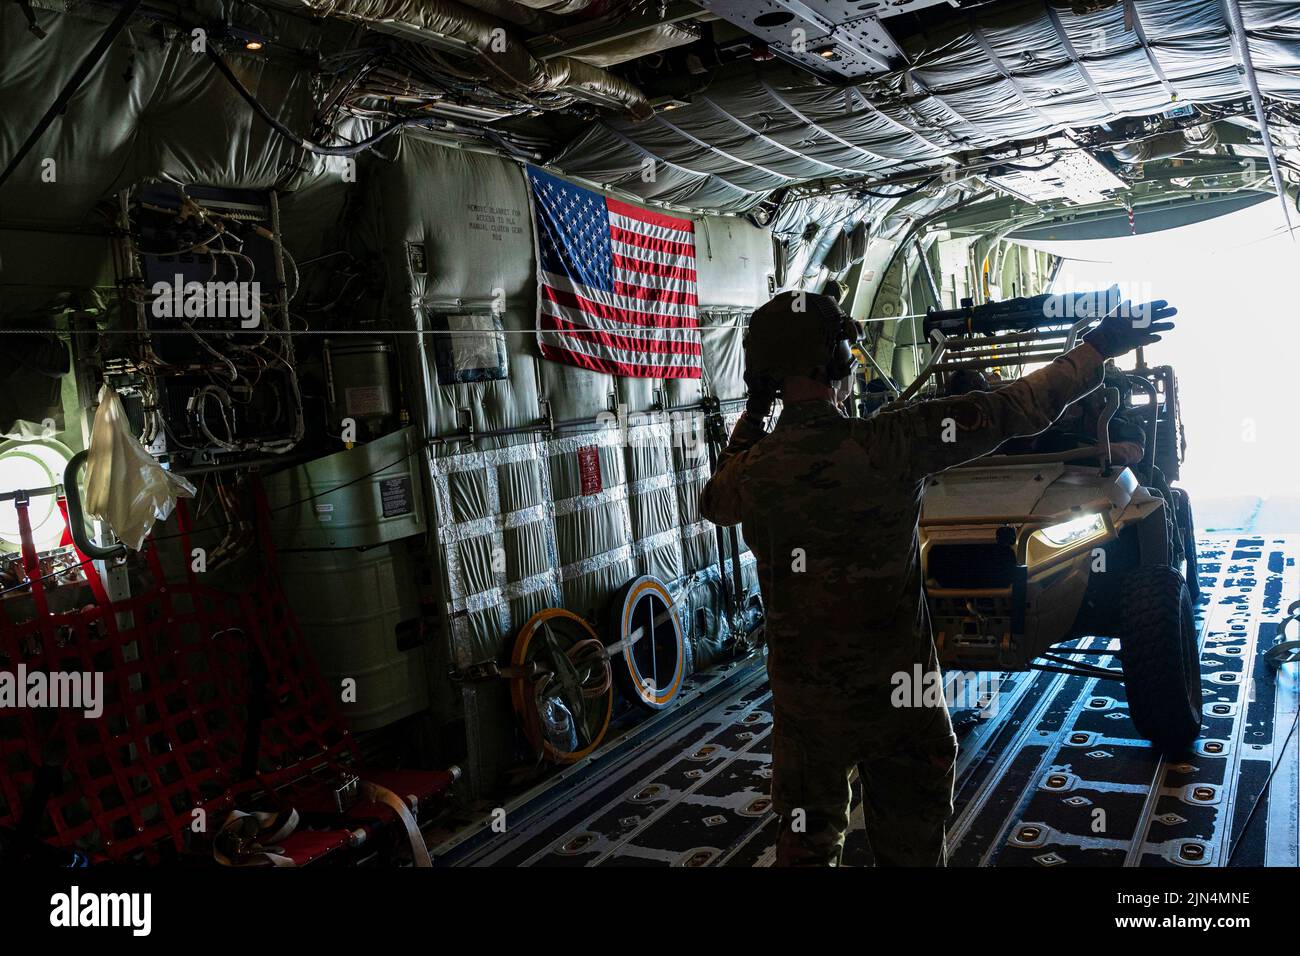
[[615, 283]]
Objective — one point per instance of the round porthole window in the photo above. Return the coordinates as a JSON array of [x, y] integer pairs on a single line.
[[26, 464]]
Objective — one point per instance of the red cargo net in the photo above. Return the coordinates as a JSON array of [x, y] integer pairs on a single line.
[[303, 731], [210, 699], [173, 660]]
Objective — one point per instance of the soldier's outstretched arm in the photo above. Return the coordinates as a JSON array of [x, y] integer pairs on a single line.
[[950, 431], [720, 499], [931, 436]]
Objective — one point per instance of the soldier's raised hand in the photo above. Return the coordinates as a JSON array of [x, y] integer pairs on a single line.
[[762, 396], [1131, 326]]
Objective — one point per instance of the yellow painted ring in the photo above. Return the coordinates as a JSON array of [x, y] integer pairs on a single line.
[[630, 602]]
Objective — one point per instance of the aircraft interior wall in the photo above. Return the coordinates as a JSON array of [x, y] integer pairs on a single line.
[[442, 235]]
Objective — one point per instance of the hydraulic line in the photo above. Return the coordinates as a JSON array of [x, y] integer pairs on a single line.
[[911, 190], [355, 149], [351, 149]]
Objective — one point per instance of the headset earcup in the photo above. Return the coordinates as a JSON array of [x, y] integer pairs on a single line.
[[841, 363]]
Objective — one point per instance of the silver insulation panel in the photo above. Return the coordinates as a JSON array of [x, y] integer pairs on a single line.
[[971, 81]]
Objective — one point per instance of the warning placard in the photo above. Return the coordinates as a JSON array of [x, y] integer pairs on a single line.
[[395, 496], [589, 469]]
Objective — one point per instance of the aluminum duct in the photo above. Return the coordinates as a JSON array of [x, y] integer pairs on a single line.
[[1167, 145], [489, 43]]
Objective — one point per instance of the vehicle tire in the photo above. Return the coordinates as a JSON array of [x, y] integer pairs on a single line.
[[1160, 657], [1187, 529]]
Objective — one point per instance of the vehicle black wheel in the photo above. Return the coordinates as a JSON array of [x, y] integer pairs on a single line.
[[1187, 529], [1160, 657]]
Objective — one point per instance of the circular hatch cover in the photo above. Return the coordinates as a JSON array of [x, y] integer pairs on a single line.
[[645, 623]]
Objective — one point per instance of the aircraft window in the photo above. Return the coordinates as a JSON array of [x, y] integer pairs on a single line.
[[30, 465]]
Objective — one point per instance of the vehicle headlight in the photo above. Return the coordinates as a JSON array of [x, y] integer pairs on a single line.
[[1075, 530]]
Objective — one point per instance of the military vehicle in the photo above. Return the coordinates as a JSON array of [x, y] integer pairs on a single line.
[[1028, 549]]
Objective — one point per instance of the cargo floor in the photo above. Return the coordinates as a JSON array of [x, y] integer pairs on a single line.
[[1052, 775]]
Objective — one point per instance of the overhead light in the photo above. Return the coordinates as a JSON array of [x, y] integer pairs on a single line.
[[663, 104], [251, 41], [828, 52]]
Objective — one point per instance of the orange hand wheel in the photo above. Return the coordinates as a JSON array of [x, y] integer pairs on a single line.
[[566, 704]]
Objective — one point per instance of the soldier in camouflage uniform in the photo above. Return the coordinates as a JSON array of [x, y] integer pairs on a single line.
[[830, 505]]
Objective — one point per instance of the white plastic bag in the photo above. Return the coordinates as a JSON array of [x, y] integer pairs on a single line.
[[125, 486]]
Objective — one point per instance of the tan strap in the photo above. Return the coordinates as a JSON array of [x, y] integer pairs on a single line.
[[381, 794], [246, 839]]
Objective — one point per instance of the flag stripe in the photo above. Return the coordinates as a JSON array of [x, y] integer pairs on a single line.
[[660, 270], [612, 367], [650, 242], [648, 290], [569, 342], [630, 251], [598, 316], [624, 342], [589, 345], [670, 286], [675, 313], [647, 216]]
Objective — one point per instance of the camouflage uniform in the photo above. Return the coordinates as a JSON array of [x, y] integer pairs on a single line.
[[829, 506]]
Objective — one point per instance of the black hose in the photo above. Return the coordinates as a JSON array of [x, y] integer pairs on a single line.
[[77, 518], [356, 149], [899, 195], [351, 149]]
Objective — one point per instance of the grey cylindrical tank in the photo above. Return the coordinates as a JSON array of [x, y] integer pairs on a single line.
[[361, 383], [360, 612]]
